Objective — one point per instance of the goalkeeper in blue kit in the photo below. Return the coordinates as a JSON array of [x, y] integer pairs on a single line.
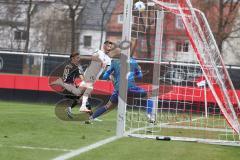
[[133, 90]]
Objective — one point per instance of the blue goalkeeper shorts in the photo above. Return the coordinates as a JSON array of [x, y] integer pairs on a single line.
[[132, 92]]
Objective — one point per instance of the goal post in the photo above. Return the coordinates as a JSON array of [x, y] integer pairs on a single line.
[[124, 59], [157, 60], [176, 41]]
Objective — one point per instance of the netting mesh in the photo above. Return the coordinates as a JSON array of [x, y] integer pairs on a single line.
[[179, 101]]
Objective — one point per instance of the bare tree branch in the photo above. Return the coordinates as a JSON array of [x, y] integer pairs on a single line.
[[232, 11], [73, 6], [104, 8], [224, 19], [29, 13]]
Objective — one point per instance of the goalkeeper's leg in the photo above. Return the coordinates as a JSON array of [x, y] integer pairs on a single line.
[[141, 93], [136, 91], [111, 104]]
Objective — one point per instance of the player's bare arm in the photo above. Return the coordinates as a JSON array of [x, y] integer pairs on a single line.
[[96, 58]]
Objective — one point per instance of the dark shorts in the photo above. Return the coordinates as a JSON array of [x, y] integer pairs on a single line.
[[132, 92], [69, 95]]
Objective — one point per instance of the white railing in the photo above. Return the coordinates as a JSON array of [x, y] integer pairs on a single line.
[[40, 59]]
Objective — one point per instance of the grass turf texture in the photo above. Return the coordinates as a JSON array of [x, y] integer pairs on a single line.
[[172, 124], [144, 149], [35, 125]]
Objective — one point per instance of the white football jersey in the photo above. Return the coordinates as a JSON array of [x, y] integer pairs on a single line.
[[95, 69]]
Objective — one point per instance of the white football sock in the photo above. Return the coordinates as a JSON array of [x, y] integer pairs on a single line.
[[84, 100]]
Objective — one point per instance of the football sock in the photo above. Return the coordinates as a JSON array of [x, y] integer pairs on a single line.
[[84, 100]]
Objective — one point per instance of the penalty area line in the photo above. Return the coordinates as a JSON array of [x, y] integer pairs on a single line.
[[86, 148]]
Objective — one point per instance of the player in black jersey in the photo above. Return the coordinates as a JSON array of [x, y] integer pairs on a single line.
[[72, 71]]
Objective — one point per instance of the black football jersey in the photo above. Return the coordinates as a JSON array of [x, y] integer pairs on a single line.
[[71, 72]]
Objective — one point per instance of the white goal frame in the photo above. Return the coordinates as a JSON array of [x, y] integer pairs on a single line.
[[121, 115]]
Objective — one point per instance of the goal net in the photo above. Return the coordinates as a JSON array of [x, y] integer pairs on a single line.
[[190, 95]]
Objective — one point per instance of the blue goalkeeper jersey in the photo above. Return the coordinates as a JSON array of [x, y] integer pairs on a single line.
[[114, 69]]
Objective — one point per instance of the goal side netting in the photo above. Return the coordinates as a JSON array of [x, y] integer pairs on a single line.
[[190, 95]]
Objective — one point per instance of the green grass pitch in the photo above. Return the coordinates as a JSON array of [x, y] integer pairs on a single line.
[[32, 132]]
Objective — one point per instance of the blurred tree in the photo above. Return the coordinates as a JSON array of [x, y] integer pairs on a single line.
[[13, 15], [30, 10], [52, 29], [104, 8], [223, 16], [75, 9]]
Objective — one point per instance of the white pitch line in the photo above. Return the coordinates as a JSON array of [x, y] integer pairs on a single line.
[[86, 149], [38, 148], [92, 146]]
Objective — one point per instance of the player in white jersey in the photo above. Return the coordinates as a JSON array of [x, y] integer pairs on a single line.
[[100, 60]]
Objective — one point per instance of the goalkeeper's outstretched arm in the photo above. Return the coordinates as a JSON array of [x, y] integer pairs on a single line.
[[107, 74]]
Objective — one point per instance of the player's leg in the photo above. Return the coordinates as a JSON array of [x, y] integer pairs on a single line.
[[71, 105], [85, 99], [86, 93], [149, 110], [69, 87], [73, 89], [89, 107], [140, 93], [137, 91], [101, 110], [111, 104]]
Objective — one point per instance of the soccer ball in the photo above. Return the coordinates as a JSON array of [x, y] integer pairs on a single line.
[[139, 6]]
